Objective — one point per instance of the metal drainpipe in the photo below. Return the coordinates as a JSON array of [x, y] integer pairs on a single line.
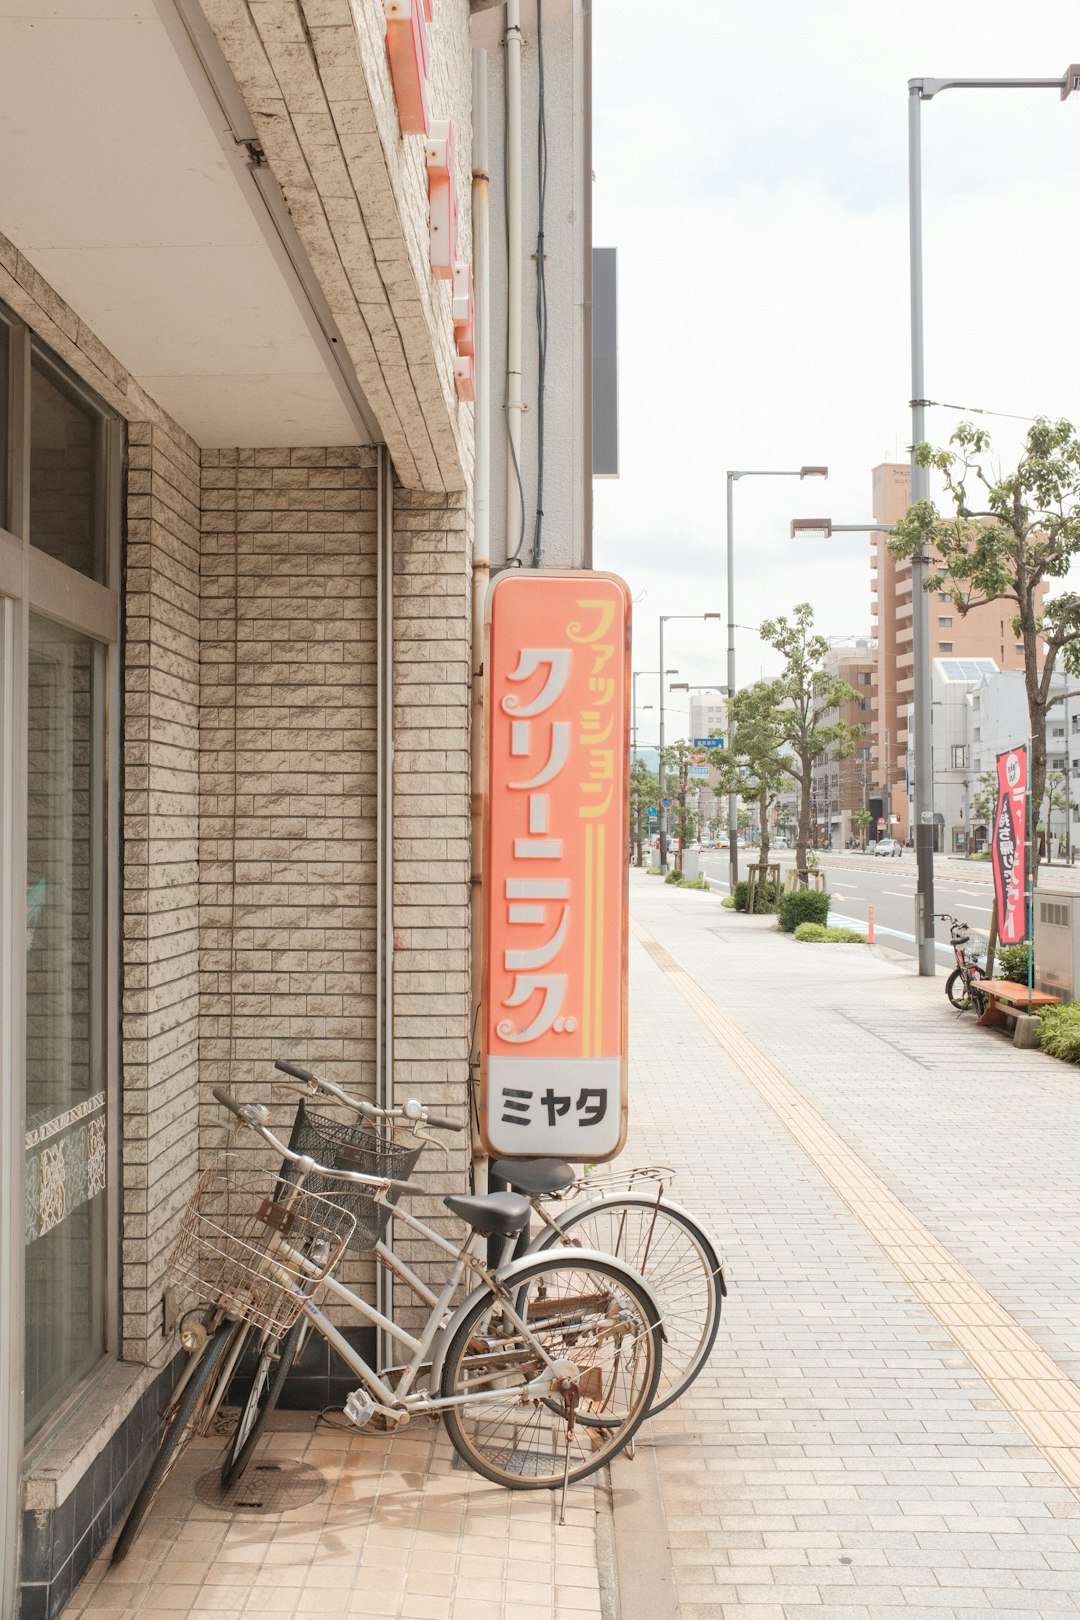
[[384, 829], [514, 261], [481, 551]]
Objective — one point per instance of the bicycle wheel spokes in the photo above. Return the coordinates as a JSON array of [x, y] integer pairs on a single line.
[[679, 1264], [593, 1320]]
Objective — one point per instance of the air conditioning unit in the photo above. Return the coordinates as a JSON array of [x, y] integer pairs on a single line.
[[1057, 942]]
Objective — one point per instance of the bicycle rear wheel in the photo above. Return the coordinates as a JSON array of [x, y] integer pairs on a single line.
[[274, 1365], [593, 1314], [181, 1424], [677, 1260], [962, 993]]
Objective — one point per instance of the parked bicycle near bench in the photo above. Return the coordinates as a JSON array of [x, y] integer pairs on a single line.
[[961, 985]]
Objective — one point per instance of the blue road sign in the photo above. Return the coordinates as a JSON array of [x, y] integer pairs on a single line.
[[708, 742], [666, 802], [652, 810]]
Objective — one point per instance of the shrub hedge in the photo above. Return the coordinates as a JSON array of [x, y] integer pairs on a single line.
[[1011, 962], [1059, 1031], [803, 905], [817, 934]]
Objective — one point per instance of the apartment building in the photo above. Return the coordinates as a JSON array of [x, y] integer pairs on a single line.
[[841, 787], [983, 632]]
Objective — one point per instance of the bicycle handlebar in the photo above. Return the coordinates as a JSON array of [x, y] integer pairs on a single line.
[[254, 1115], [412, 1110]]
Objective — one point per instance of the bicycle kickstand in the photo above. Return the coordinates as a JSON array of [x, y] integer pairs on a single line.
[[570, 1394]]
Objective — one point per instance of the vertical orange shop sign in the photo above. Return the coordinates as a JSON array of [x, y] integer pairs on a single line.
[[553, 1077]]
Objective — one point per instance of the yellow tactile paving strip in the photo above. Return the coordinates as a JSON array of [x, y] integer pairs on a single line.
[[1027, 1382]]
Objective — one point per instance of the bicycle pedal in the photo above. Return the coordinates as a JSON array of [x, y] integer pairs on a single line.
[[359, 1408]]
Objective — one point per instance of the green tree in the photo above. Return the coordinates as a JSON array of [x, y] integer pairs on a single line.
[[678, 758], [754, 766], [861, 820], [984, 799], [1010, 534], [644, 788], [808, 695], [1056, 799]]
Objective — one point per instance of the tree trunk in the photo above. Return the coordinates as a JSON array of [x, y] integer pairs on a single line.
[[802, 837], [1038, 690], [1037, 778], [763, 815]]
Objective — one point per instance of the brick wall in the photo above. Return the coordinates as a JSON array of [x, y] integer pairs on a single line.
[[160, 873], [288, 786]]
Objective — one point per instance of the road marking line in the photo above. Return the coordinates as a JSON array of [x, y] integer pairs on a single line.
[[899, 894], [1042, 1400]]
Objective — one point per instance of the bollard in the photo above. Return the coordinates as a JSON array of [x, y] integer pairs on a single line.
[[870, 928]]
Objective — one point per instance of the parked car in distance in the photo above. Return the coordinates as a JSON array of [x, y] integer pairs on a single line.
[[887, 846]]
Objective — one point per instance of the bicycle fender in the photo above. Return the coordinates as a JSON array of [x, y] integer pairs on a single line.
[[547, 1239], [507, 1274]]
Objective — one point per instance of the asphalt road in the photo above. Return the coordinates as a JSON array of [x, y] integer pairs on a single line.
[[856, 882]]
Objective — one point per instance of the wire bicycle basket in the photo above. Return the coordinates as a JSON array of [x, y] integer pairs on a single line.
[[254, 1254], [358, 1148]]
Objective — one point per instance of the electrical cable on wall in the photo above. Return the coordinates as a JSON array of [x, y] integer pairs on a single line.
[[513, 557], [541, 285]]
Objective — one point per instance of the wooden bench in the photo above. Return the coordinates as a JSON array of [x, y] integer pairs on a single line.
[[1015, 997]]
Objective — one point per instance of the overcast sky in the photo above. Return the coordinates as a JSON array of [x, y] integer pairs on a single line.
[[751, 169]]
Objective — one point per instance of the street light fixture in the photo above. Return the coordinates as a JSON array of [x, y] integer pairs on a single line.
[[634, 703], [920, 90], [662, 826], [732, 475]]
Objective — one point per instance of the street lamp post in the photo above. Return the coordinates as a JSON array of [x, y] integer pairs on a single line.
[[920, 90], [634, 703], [732, 475], [662, 828]]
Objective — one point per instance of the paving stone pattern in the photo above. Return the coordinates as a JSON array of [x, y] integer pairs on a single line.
[[840, 1455]]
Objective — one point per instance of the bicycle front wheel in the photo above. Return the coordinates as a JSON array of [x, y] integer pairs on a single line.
[[182, 1424], [677, 1260], [593, 1315], [274, 1365]]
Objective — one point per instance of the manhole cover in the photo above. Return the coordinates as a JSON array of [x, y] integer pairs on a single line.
[[270, 1486]]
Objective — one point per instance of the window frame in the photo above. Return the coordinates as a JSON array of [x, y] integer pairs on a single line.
[[31, 581]]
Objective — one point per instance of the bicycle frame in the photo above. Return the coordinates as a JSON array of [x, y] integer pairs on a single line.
[[403, 1402]]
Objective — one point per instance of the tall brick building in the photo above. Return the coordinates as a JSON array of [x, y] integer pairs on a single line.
[[238, 497], [983, 632]]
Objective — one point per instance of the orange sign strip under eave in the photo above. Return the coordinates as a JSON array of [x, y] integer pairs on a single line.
[[553, 1076]]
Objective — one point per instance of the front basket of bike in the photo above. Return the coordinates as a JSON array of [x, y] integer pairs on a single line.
[[255, 1248]]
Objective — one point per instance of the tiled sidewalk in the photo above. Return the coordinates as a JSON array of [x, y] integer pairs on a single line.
[[397, 1531], [840, 1455], [829, 1118]]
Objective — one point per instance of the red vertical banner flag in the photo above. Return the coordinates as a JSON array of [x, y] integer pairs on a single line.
[[554, 1014], [1009, 851]]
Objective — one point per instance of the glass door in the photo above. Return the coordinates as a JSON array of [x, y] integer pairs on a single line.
[[65, 953]]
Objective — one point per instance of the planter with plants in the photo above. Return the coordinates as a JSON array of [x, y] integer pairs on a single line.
[[765, 897]]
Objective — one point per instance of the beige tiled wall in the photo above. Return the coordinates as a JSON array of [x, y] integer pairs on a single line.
[[287, 793], [288, 784], [431, 834], [160, 1053]]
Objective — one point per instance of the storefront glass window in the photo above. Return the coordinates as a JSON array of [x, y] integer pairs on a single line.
[[5, 435], [67, 508], [65, 1080]]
